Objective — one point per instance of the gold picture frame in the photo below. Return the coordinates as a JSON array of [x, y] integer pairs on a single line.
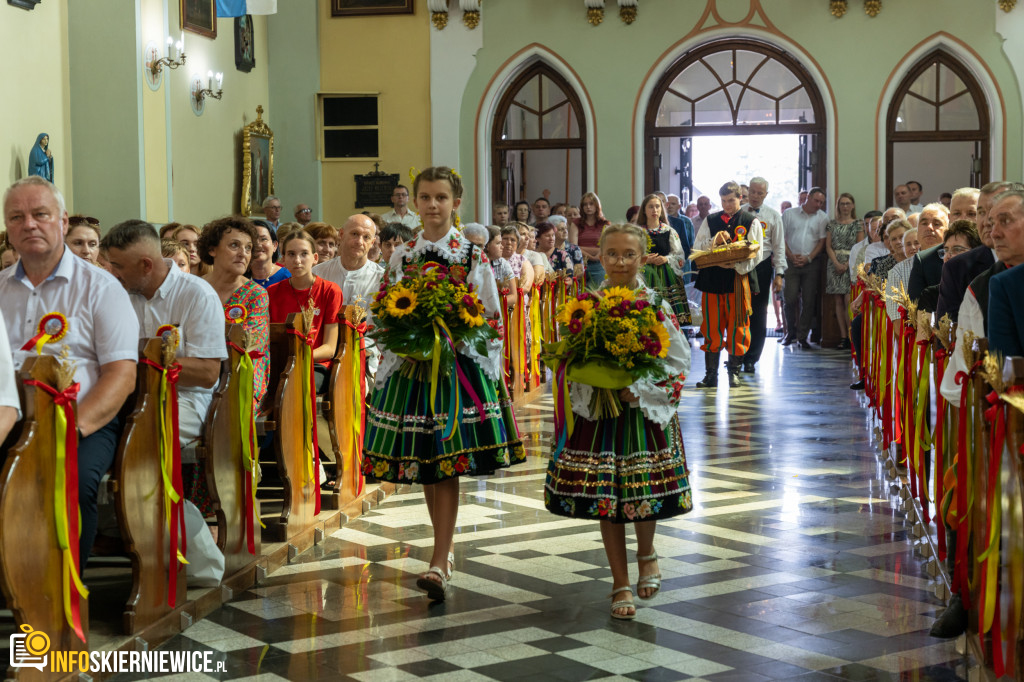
[[199, 16], [257, 164]]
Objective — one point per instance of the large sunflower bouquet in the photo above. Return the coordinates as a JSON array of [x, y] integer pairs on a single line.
[[430, 310], [609, 340]]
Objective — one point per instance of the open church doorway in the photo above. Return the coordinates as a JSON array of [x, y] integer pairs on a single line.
[[729, 110]]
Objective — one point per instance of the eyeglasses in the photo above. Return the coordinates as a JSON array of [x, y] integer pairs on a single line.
[[306, 210], [952, 251], [82, 220], [628, 258]]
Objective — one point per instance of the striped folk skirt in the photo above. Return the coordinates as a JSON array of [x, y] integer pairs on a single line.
[[403, 439], [620, 470], [670, 286]]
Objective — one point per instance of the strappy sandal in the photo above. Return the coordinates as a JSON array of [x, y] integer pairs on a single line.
[[435, 589], [652, 581], [451, 565], [623, 604]]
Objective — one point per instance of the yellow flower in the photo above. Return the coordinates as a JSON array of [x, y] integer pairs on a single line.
[[574, 309], [401, 301], [616, 295], [662, 335], [471, 311]]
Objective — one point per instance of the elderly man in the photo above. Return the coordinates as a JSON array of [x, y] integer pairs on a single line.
[[927, 269], [400, 212], [769, 269], [103, 343], [355, 274], [681, 224], [703, 209], [272, 211], [959, 272], [805, 240], [303, 214]]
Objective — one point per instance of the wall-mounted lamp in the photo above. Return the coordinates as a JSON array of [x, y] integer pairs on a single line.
[[198, 93], [153, 64]]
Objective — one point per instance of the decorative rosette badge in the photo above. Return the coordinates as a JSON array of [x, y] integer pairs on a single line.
[[741, 232], [52, 328], [236, 314], [165, 330]]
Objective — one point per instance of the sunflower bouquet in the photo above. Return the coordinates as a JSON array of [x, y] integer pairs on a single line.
[[609, 340], [430, 297]]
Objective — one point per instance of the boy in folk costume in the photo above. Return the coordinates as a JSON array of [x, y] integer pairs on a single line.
[[725, 297]]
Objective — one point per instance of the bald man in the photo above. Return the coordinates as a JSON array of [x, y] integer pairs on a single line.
[[354, 272]]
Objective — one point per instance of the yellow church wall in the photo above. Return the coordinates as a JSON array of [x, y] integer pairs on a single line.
[[379, 54], [34, 80]]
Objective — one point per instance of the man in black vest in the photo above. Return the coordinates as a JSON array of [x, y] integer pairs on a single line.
[[726, 297]]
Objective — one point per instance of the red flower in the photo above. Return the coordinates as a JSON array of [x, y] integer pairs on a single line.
[[660, 315], [461, 464], [641, 304], [615, 312], [575, 326], [457, 272]]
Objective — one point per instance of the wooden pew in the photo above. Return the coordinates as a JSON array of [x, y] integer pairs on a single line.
[[283, 407], [138, 487], [30, 558], [221, 455], [1012, 568]]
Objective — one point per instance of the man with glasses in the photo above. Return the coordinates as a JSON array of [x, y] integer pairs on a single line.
[[272, 211], [400, 212], [303, 214], [726, 295]]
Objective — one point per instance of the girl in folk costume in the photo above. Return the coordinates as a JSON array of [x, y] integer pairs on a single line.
[[405, 440], [725, 297], [663, 266], [630, 468]]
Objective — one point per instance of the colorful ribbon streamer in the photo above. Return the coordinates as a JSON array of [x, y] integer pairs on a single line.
[[250, 447], [65, 500], [309, 437], [170, 469], [564, 419], [354, 412], [52, 327]]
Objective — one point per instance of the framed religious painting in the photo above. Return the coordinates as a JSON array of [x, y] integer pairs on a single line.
[[355, 8], [199, 16], [257, 165], [245, 55]]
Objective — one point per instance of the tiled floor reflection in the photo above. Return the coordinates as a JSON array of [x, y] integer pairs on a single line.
[[794, 565]]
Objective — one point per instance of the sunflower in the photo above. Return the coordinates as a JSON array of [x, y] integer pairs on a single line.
[[615, 295], [662, 335], [576, 310], [471, 311], [401, 302]]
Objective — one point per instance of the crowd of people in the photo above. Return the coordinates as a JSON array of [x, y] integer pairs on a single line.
[[65, 277]]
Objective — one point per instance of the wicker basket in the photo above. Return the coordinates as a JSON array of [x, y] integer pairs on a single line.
[[724, 256]]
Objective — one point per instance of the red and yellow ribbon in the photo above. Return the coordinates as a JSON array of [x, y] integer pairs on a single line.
[[170, 469], [236, 313], [52, 328], [309, 437], [354, 411], [247, 430], [65, 501], [536, 336]]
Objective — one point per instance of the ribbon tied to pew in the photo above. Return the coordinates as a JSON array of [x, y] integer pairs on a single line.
[[250, 447], [309, 410], [52, 328], [65, 500], [170, 457], [354, 411]]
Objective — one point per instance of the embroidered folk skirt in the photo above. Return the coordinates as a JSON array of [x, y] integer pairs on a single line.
[[620, 470], [403, 440], [670, 286]]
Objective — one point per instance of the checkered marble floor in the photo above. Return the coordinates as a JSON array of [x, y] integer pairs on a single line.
[[794, 564]]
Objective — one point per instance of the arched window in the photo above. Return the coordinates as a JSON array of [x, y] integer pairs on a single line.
[[732, 87], [538, 139], [937, 128]]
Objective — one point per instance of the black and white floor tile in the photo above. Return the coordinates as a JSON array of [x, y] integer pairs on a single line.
[[794, 564]]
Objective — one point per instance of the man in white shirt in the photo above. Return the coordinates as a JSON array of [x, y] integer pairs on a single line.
[[357, 276], [162, 294], [10, 408], [915, 189], [103, 343], [805, 239], [901, 197], [303, 214], [400, 212], [773, 260]]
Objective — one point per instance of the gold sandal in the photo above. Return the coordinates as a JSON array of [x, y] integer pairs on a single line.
[[623, 604], [652, 581]]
